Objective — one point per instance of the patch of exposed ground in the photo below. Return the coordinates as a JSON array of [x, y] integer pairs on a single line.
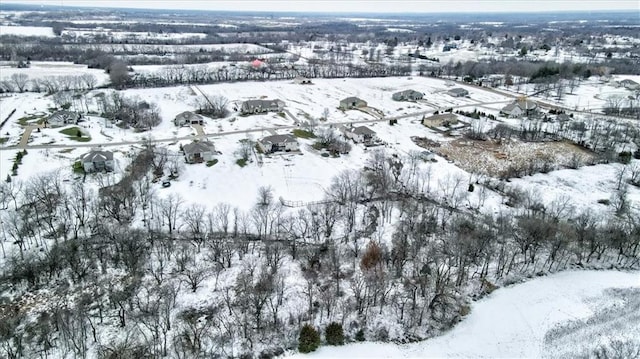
[[508, 158]]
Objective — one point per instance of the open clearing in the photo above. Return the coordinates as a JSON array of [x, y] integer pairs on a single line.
[[511, 322]]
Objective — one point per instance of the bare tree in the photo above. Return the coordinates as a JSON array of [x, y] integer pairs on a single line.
[[20, 80], [169, 209], [213, 106]]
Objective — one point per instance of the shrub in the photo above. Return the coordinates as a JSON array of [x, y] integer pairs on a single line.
[[360, 335], [624, 157], [372, 256], [78, 168], [382, 335], [334, 334], [309, 339], [241, 162]]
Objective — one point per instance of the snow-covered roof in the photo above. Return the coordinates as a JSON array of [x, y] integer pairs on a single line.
[[187, 115], [351, 99], [98, 156], [278, 139], [363, 130], [442, 116], [458, 91], [407, 92], [261, 103], [198, 147]]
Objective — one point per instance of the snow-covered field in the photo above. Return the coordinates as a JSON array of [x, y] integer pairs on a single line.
[[50, 69], [44, 31], [512, 322]]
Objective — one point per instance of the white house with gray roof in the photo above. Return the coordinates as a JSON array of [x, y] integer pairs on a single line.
[[260, 106], [361, 134], [188, 118], [97, 160], [352, 102], [63, 117], [198, 152], [278, 143], [519, 108], [458, 92], [407, 95]]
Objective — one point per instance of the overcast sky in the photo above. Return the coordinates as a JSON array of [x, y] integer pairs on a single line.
[[374, 6]]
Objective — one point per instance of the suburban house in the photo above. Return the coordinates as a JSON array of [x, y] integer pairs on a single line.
[[198, 152], [519, 108], [361, 134], [630, 84], [278, 143], [301, 80], [259, 106], [458, 92], [188, 118], [449, 47], [97, 160], [352, 102], [440, 120], [64, 117], [407, 95]]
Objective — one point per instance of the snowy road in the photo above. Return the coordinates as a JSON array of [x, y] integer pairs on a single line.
[[26, 135], [509, 323]]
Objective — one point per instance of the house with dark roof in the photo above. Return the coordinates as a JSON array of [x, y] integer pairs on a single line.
[[198, 152], [361, 134], [407, 95], [188, 118], [519, 108], [63, 117], [458, 92], [352, 102], [260, 106], [97, 160], [630, 84], [278, 143]]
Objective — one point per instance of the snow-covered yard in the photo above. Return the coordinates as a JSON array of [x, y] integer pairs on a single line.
[[512, 322]]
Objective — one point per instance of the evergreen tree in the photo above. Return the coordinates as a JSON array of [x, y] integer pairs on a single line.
[[334, 334], [309, 339]]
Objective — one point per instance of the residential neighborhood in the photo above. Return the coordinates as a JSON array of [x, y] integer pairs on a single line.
[[317, 180]]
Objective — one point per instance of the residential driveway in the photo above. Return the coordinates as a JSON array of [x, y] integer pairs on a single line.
[[199, 131], [295, 120], [26, 135], [372, 111]]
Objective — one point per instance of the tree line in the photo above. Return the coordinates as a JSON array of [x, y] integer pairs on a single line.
[[389, 254]]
